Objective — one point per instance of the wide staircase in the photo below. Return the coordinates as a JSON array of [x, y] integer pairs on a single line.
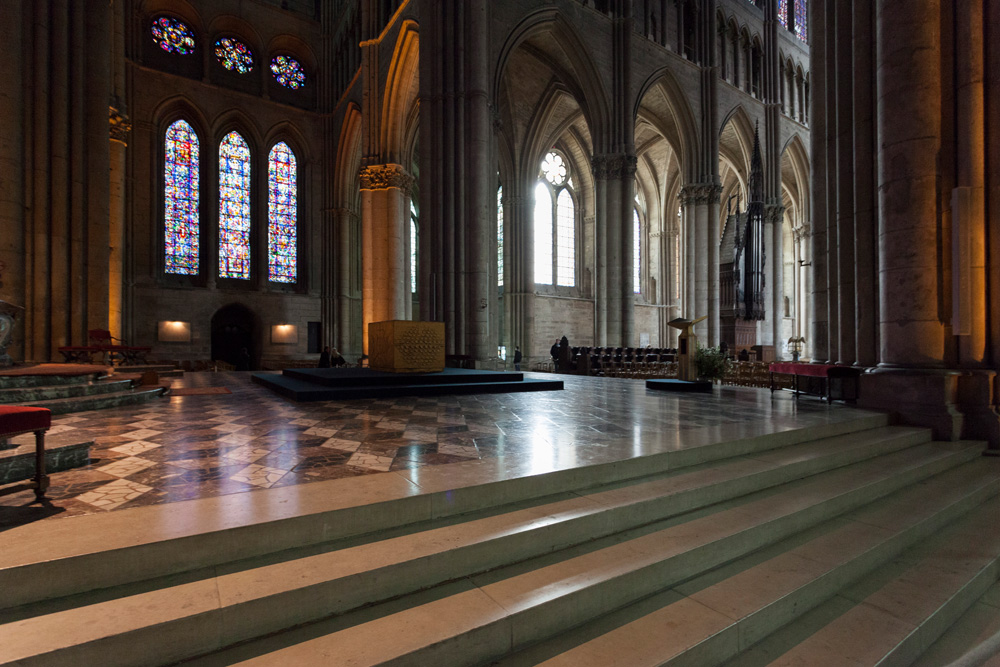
[[77, 391], [854, 542]]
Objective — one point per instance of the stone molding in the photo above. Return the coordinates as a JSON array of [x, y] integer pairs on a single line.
[[700, 193], [614, 167], [386, 177], [120, 126]]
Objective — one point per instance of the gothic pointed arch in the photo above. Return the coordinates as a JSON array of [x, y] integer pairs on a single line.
[[401, 95]]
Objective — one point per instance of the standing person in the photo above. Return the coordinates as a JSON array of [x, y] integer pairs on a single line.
[[324, 357], [336, 360], [517, 358], [554, 352], [243, 362]]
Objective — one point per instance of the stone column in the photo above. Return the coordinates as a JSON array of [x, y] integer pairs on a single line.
[[909, 86], [863, 170], [613, 258], [774, 272], [385, 193], [714, 238], [626, 167], [345, 240], [120, 127], [600, 168], [703, 261], [688, 255], [819, 344]]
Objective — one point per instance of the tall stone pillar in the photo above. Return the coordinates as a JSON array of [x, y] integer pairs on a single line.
[[120, 127], [701, 251], [385, 196], [626, 167], [819, 345], [774, 278], [519, 289], [714, 239], [689, 259], [909, 86], [600, 167], [614, 271]]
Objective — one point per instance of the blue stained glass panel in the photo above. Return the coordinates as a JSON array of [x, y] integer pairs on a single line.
[[234, 207], [180, 180], [234, 55], [282, 215], [172, 36], [801, 24]]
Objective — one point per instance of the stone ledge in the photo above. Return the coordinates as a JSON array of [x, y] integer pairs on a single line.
[[18, 464]]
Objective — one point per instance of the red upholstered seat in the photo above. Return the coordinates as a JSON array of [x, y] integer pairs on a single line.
[[16, 419], [812, 370]]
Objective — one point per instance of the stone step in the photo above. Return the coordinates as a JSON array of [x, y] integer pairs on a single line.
[[893, 615], [31, 395], [711, 618], [527, 601], [976, 632], [18, 381], [117, 550], [163, 370], [61, 406], [484, 617]]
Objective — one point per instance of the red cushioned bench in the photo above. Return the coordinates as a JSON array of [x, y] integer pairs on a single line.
[[846, 375], [103, 343], [16, 420]]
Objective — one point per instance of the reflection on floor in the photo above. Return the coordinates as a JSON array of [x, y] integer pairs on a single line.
[[188, 447]]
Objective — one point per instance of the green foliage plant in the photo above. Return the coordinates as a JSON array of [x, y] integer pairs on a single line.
[[711, 362]]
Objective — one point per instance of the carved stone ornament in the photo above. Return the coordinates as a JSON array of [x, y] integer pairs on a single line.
[[700, 193], [614, 167], [120, 125], [385, 177]]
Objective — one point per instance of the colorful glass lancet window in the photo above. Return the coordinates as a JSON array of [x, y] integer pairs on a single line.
[[234, 207], [801, 27], [783, 13], [500, 236], [282, 215], [234, 55], [288, 72], [172, 36], [636, 253], [180, 178]]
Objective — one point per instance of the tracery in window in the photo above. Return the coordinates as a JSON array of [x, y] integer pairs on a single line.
[[555, 224], [636, 256], [288, 72], [282, 214], [234, 55], [172, 35], [500, 236], [234, 207], [180, 180]]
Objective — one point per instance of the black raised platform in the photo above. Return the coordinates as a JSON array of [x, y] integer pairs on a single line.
[[329, 384], [680, 385]]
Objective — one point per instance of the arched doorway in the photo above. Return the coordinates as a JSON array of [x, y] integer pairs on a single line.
[[234, 328]]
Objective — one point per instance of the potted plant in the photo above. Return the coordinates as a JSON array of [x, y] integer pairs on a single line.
[[711, 362]]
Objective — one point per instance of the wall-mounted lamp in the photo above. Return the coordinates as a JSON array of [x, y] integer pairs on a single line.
[[284, 334], [803, 262], [172, 331]]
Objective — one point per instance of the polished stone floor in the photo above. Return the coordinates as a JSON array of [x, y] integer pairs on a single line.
[[200, 446]]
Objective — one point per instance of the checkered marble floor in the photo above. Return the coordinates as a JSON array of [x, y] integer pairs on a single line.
[[186, 447]]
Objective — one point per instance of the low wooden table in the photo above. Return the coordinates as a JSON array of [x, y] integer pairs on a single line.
[[848, 376]]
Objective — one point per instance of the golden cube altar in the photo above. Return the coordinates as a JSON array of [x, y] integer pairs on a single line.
[[404, 346]]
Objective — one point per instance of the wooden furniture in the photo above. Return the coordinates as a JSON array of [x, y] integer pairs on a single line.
[[403, 346], [834, 382], [102, 342], [16, 420]]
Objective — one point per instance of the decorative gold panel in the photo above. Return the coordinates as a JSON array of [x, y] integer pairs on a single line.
[[402, 346]]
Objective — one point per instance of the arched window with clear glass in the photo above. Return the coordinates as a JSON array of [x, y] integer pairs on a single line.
[[500, 236], [282, 215], [180, 200], [636, 253], [234, 207], [555, 224]]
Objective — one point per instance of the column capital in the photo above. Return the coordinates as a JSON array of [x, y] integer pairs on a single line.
[[700, 193], [615, 167], [774, 213], [120, 125], [386, 177]]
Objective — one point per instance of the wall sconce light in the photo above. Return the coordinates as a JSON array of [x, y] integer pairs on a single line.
[[284, 334], [171, 331]]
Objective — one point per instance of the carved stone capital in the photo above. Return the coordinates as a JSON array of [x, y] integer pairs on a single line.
[[120, 126], [386, 177], [700, 193], [614, 167], [774, 213]]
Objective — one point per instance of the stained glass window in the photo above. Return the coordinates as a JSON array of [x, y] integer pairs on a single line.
[[180, 180], [234, 207], [282, 215], [500, 236], [288, 72], [566, 240], [783, 13], [801, 25], [543, 235], [172, 36], [636, 256], [234, 55]]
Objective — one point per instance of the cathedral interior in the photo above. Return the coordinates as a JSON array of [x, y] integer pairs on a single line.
[[216, 181]]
